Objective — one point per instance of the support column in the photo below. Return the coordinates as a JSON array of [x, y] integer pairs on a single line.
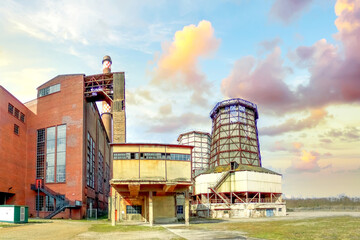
[[151, 210], [259, 197], [187, 209], [118, 207], [113, 207], [145, 209]]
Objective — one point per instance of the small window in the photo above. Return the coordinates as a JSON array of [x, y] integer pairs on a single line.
[[11, 109], [135, 209], [22, 117], [16, 129], [17, 113], [180, 209]]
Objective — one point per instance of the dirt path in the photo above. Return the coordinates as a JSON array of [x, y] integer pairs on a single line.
[[56, 230]]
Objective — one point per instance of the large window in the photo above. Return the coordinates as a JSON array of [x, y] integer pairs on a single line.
[[40, 153], [55, 153], [50, 204], [135, 209], [90, 161], [48, 90], [100, 172], [61, 153]]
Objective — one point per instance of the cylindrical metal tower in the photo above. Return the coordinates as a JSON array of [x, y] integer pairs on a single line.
[[234, 134], [106, 115], [201, 151]]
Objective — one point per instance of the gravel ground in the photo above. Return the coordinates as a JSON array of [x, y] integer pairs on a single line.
[[67, 229]]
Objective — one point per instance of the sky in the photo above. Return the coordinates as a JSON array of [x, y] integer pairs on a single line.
[[298, 61]]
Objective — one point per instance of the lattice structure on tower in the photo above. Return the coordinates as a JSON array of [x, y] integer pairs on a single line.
[[201, 151], [234, 134]]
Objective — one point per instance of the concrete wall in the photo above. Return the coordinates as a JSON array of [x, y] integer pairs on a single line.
[[151, 169], [164, 209], [240, 181], [240, 210]]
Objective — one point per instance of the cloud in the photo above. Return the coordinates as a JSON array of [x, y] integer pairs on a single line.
[[165, 109], [269, 45], [347, 134], [334, 71], [307, 162], [288, 10], [286, 146], [79, 22], [316, 117], [177, 123], [260, 81], [177, 66]]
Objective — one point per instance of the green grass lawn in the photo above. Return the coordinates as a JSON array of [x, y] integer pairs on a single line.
[[317, 228]]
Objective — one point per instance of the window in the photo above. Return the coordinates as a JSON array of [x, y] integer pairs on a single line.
[[17, 113], [39, 203], [49, 90], [180, 209], [119, 156], [22, 117], [50, 154], [50, 204], [135, 209], [90, 161], [11, 109], [107, 177], [16, 129], [60, 153], [55, 153], [100, 172], [40, 153]]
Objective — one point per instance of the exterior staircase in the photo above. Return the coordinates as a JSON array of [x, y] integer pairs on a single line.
[[214, 188], [61, 201]]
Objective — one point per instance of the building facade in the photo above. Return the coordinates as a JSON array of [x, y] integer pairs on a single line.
[[150, 182], [55, 150]]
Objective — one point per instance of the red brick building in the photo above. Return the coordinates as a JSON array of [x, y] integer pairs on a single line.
[[54, 146]]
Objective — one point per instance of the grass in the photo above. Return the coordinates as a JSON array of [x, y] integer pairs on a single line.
[[318, 228], [123, 228]]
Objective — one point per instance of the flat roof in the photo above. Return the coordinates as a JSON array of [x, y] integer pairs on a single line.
[[152, 144]]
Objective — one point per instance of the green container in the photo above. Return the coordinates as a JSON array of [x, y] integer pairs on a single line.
[[14, 214]]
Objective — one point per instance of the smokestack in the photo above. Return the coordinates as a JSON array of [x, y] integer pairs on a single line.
[[106, 62], [106, 116]]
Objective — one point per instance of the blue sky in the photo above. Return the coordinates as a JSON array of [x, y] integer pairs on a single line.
[[182, 57]]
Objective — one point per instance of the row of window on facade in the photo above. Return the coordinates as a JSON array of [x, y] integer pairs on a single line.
[[16, 112], [155, 156], [49, 90], [103, 174]]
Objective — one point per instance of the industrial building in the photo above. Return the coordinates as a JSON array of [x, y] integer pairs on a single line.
[[235, 183], [55, 150], [150, 182]]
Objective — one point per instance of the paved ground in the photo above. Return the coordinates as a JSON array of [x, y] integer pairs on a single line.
[[78, 230]]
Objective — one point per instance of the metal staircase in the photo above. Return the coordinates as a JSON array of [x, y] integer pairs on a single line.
[[214, 188], [61, 201]]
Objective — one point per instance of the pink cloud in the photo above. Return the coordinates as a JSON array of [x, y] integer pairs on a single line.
[[307, 162], [334, 71], [316, 117], [288, 10]]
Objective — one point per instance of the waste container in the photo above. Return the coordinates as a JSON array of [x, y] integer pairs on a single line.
[[13, 214]]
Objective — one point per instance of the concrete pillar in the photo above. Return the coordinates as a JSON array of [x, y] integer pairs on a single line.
[[113, 207], [151, 210], [145, 209], [187, 208], [118, 207]]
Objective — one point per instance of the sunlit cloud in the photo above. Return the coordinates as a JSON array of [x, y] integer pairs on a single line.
[[177, 66], [307, 162]]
